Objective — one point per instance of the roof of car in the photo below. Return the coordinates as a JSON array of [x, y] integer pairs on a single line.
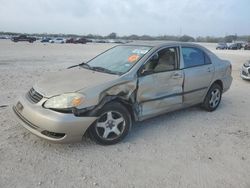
[[160, 43]]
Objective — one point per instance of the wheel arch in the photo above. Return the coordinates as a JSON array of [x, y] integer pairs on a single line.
[[219, 82], [93, 111], [111, 101], [127, 103]]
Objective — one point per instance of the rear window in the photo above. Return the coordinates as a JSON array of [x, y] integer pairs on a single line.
[[194, 57]]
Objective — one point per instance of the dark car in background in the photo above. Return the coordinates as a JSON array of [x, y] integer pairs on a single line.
[[46, 39], [235, 46], [70, 40], [23, 38], [221, 46], [77, 40], [81, 41], [247, 46]]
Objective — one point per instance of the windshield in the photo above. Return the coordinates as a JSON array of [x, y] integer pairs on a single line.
[[118, 59]]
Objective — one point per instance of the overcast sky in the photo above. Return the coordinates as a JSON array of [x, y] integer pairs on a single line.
[[125, 17]]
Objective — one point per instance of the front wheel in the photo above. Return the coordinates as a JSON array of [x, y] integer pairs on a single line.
[[213, 98], [112, 125]]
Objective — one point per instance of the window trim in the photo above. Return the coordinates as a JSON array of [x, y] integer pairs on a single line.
[[204, 54], [210, 62], [177, 47]]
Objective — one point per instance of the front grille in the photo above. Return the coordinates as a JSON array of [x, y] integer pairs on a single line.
[[249, 71], [34, 96]]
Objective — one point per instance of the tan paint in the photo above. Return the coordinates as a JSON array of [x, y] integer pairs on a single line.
[[156, 93]]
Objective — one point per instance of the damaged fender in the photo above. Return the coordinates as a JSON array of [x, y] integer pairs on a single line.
[[124, 93]]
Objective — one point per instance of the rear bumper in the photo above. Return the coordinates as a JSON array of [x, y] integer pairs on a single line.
[[50, 125], [227, 81]]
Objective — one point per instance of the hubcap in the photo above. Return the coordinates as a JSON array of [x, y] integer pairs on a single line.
[[214, 98], [110, 125]]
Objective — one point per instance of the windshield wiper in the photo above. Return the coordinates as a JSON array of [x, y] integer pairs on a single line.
[[104, 70], [100, 69], [81, 64]]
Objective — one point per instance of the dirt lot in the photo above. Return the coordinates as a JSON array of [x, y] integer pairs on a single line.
[[188, 148]]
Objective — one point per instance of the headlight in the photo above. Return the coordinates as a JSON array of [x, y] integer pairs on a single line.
[[65, 101], [247, 64]]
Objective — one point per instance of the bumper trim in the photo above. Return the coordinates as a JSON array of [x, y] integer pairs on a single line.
[[33, 128], [245, 77], [31, 125]]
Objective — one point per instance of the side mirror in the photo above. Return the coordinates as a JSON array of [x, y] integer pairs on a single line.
[[152, 63], [145, 72], [155, 57], [75, 65]]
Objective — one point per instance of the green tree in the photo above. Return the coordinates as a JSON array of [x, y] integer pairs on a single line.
[[112, 36], [186, 38], [230, 38]]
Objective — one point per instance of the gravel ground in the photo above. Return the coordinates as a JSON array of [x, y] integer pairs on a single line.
[[187, 148]]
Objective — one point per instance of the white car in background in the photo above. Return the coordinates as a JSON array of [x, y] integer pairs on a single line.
[[245, 71], [57, 40]]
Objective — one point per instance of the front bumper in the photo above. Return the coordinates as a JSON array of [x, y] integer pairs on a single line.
[[245, 73], [50, 125]]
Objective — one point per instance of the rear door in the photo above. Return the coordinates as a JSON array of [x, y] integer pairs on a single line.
[[198, 72], [160, 83]]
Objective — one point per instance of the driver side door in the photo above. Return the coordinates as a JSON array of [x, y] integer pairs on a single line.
[[160, 83]]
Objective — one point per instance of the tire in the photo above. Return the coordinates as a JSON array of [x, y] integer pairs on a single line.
[[213, 98], [112, 125]]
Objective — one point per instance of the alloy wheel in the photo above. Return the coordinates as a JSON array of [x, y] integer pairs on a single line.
[[215, 98], [110, 125]]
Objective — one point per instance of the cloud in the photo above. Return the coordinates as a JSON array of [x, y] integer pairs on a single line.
[[196, 17]]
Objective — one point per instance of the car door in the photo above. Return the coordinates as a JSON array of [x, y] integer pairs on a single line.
[[160, 83], [198, 73]]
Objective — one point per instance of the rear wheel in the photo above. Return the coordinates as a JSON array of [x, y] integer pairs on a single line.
[[112, 125], [213, 98]]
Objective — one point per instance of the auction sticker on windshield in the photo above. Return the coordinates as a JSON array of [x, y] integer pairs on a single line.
[[140, 51], [133, 58]]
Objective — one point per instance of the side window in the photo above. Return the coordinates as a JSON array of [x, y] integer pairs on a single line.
[[192, 57], [163, 60]]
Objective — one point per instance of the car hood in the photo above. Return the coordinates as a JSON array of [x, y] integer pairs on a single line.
[[71, 80]]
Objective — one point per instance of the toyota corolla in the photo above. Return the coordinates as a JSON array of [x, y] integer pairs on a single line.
[[124, 84]]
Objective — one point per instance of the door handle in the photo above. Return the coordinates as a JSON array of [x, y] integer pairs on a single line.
[[176, 75], [208, 69]]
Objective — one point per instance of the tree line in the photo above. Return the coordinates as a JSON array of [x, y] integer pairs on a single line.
[[113, 35]]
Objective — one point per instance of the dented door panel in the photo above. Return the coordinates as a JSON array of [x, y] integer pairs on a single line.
[[159, 92]]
